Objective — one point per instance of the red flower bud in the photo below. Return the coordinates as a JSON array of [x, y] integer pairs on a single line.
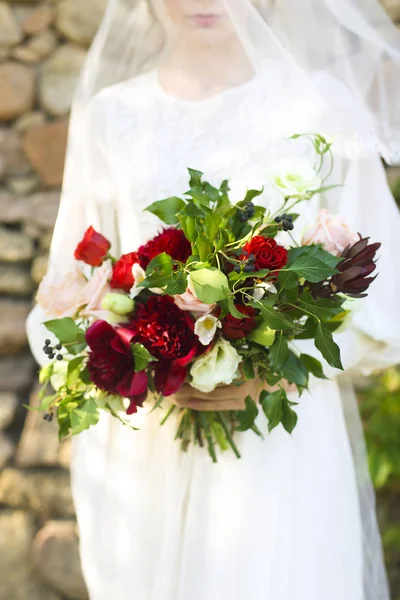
[[122, 277], [93, 249], [236, 329]]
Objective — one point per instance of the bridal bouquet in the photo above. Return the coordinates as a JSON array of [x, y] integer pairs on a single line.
[[215, 299]]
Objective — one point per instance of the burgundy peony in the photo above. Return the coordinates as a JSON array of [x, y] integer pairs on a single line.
[[172, 241], [93, 249], [122, 277], [236, 329], [111, 364], [268, 254], [168, 334]]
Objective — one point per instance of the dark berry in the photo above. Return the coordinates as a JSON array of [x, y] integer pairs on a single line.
[[59, 357], [59, 347], [236, 268], [278, 219], [289, 218], [47, 342], [248, 268], [290, 226], [51, 355]]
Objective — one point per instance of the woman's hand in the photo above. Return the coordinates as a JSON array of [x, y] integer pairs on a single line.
[[224, 397]]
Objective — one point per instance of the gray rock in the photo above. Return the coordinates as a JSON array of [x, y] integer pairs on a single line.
[[59, 78], [43, 209], [12, 326], [12, 158], [16, 372], [29, 120], [38, 445], [10, 31], [38, 20], [15, 246], [6, 450], [45, 493], [8, 407], [15, 280], [56, 558], [12, 208], [79, 22], [45, 147], [23, 184], [18, 580], [17, 90]]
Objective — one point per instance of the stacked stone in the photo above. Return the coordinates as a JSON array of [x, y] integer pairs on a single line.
[[42, 48], [43, 44]]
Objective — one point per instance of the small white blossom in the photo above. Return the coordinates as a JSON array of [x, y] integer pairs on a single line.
[[294, 178], [262, 289], [219, 366], [206, 328], [139, 275]]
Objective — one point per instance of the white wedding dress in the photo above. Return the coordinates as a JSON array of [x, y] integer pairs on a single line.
[[294, 519]]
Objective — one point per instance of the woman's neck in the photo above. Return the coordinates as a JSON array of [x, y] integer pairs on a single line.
[[197, 72]]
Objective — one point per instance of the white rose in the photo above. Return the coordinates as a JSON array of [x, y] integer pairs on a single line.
[[206, 328], [219, 366], [294, 178]]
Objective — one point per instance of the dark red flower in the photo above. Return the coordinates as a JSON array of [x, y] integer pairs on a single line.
[[168, 334], [267, 253], [93, 249], [122, 277], [111, 364], [172, 241], [236, 329], [355, 270]]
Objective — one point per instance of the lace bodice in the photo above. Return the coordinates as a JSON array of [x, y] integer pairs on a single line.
[[149, 138]]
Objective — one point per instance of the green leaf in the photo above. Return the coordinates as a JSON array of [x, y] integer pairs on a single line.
[[161, 265], [212, 224], [46, 402], [177, 284], [279, 352], [289, 417], [320, 308], [327, 346], [295, 371], [275, 319], [167, 209], [191, 210], [141, 357], [315, 251], [312, 269], [45, 373], [272, 406], [64, 422], [203, 246], [288, 280], [211, 285], [235, 312], [247, 417], [313, 366], [74, 370], [195, 177], [84, 417], [68, 333], [248, 369]]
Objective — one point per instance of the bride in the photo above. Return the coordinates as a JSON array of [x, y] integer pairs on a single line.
[[220, 86]]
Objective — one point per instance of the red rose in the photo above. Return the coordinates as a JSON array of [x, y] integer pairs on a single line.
[[93, 249], [168, 334], [268, 254], [111, 364], [236, 329], [122, 277], [172, 241]]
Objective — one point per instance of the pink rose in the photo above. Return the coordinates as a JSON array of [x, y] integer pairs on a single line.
[[190, 302], [95, 290], [332, 231], [61, 295]]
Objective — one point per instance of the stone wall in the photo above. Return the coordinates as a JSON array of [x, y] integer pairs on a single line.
[[42, 48]]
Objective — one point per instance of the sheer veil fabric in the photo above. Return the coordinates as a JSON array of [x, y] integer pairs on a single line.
[[317, 65]]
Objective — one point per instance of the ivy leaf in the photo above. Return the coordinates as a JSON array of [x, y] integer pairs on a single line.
[[203, 246], [288, 280], [195, 178], [84, 417], [141, 357], [248, 369], [247, 417], [167, 209], [279, 352], [295, 371], [310, 268], [272, 406], [177, 284], [74, 370], [68, 333], [273, 318], [235, 312], [315, 251], [313, 366], [320, 308], [289, 417], [327, 346], [161, 265]]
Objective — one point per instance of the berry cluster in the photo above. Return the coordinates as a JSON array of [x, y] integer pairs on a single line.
[[52, 351], [287, 222], [248, 212], [248, 266], [48, 417]]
